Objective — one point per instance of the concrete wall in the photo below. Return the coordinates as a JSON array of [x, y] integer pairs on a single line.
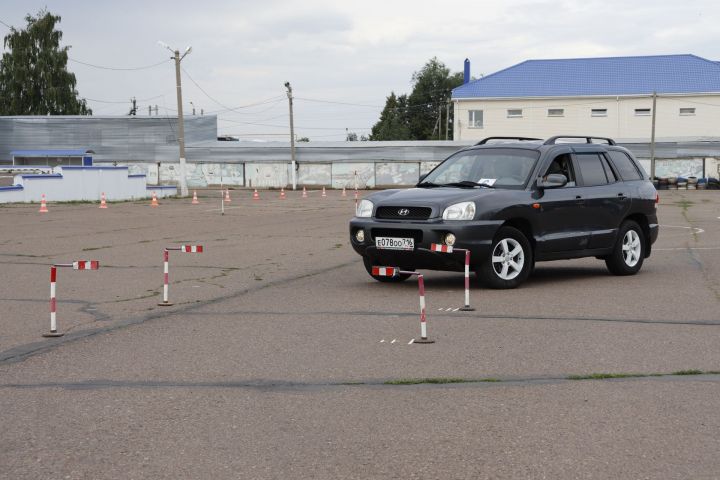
[[81, 183], [620, 122]]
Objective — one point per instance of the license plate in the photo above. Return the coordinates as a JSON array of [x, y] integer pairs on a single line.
[[390, 243]]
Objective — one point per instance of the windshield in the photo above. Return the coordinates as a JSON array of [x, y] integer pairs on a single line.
[[492, 167]]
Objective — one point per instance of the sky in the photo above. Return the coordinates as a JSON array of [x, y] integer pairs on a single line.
[[342, 58]]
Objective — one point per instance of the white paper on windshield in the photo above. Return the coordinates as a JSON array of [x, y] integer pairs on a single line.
[[487, 181]]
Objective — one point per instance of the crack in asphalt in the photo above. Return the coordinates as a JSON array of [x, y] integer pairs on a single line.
[[22, 352], [458, 314], [275, 385]]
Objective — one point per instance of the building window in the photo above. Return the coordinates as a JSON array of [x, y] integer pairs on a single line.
[[475, 119], [598, 112], [642, 112], [687, 111], [514, 113], [556, 112]]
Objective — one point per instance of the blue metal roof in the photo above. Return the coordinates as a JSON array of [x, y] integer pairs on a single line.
[[50, 153], [598, 76]]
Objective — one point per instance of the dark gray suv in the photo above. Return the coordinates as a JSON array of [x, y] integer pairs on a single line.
[[512, 202]]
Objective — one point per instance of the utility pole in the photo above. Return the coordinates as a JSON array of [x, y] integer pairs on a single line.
[[292, 136], [652, 139], [181, 125], [447, 119]]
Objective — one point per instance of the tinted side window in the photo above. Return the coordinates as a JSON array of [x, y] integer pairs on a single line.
[[591, 169], [625, 166], [612, 178]]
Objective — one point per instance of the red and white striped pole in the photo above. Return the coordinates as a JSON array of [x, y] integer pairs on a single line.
[[166, 268], [392, 272], [77, 265], [436, 247], [53, 305], [423, 320]]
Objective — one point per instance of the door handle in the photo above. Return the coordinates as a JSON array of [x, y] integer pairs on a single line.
[[621, 196], [579, 199]]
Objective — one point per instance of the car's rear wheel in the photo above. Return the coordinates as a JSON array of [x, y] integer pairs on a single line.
[[398, 278], [629, 250], [509, 262]]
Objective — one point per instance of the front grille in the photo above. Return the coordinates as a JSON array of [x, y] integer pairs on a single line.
[[417, 235], [414, 213]]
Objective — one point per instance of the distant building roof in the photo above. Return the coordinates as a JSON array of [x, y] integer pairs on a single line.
[[50, 153], [598, 76]]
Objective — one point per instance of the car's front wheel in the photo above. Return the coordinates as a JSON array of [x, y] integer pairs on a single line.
[[629, 250], [397, 278], [510, 260]]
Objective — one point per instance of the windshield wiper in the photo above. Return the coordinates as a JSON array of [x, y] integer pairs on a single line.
[[427, 185], [467, 184]]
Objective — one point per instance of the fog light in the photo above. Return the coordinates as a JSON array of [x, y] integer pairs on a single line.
[[360, 235], [450, 239]]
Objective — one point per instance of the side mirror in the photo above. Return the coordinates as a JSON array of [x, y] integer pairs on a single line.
[[553, 180]]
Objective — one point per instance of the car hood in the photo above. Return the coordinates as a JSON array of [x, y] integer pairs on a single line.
[[438, 197]]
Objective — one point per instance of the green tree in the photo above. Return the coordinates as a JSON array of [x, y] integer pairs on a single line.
[[432, 87], [34, 79], [422, 115], [393, 120]]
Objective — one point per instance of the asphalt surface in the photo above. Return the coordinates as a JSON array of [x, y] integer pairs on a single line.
[[281, 358]]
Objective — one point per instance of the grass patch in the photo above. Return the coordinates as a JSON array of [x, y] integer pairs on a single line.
[[605, 376], [688, 372], [433, 381], [89, 249]]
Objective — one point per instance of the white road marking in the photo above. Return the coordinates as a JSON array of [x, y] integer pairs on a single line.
[[394, 340], [696, 229], [448, 309], [455, 310], [686, 248], [411, 341], [382, 341], [439, 309]]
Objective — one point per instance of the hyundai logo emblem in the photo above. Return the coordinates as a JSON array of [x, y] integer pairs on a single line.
[[404, 212]]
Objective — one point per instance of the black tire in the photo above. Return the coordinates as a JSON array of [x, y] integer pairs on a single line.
[[504, 274], [629, 250], [396, 279]]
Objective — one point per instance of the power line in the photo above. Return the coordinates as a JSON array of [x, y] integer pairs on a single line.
[[121, 69], [122, 101]]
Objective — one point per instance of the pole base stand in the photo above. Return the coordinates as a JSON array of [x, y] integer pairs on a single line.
[[165, 304], [53, 334], [467, 309], [423, 340]]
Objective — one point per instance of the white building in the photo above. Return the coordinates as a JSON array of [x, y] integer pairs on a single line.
[[610, 97]]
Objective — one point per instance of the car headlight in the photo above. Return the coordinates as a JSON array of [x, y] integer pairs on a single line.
[[364, 209], [460, 211]]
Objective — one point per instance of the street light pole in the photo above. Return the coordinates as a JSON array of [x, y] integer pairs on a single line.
[[292, 136], [181, 124]]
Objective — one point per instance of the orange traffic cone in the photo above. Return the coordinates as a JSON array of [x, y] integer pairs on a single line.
[[304, 195], [154, 202], [282, 193], [323, 193], [103, 204], [256, 195], [344, 194], [227, 196], [43, 205], [195, 200]]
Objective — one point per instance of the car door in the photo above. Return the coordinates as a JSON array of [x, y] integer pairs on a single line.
[[561, 224], [605, 199]]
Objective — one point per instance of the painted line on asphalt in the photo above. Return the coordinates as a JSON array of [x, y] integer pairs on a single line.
[[696, 229], [684, 248]]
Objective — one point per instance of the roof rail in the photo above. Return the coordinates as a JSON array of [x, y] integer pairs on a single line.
[[553, 140], [521, 139]]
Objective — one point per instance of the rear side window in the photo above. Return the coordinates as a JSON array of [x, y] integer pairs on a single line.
[[591, 169], [624, 165]]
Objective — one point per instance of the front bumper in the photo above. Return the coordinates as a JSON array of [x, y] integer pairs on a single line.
[[474, 235]]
